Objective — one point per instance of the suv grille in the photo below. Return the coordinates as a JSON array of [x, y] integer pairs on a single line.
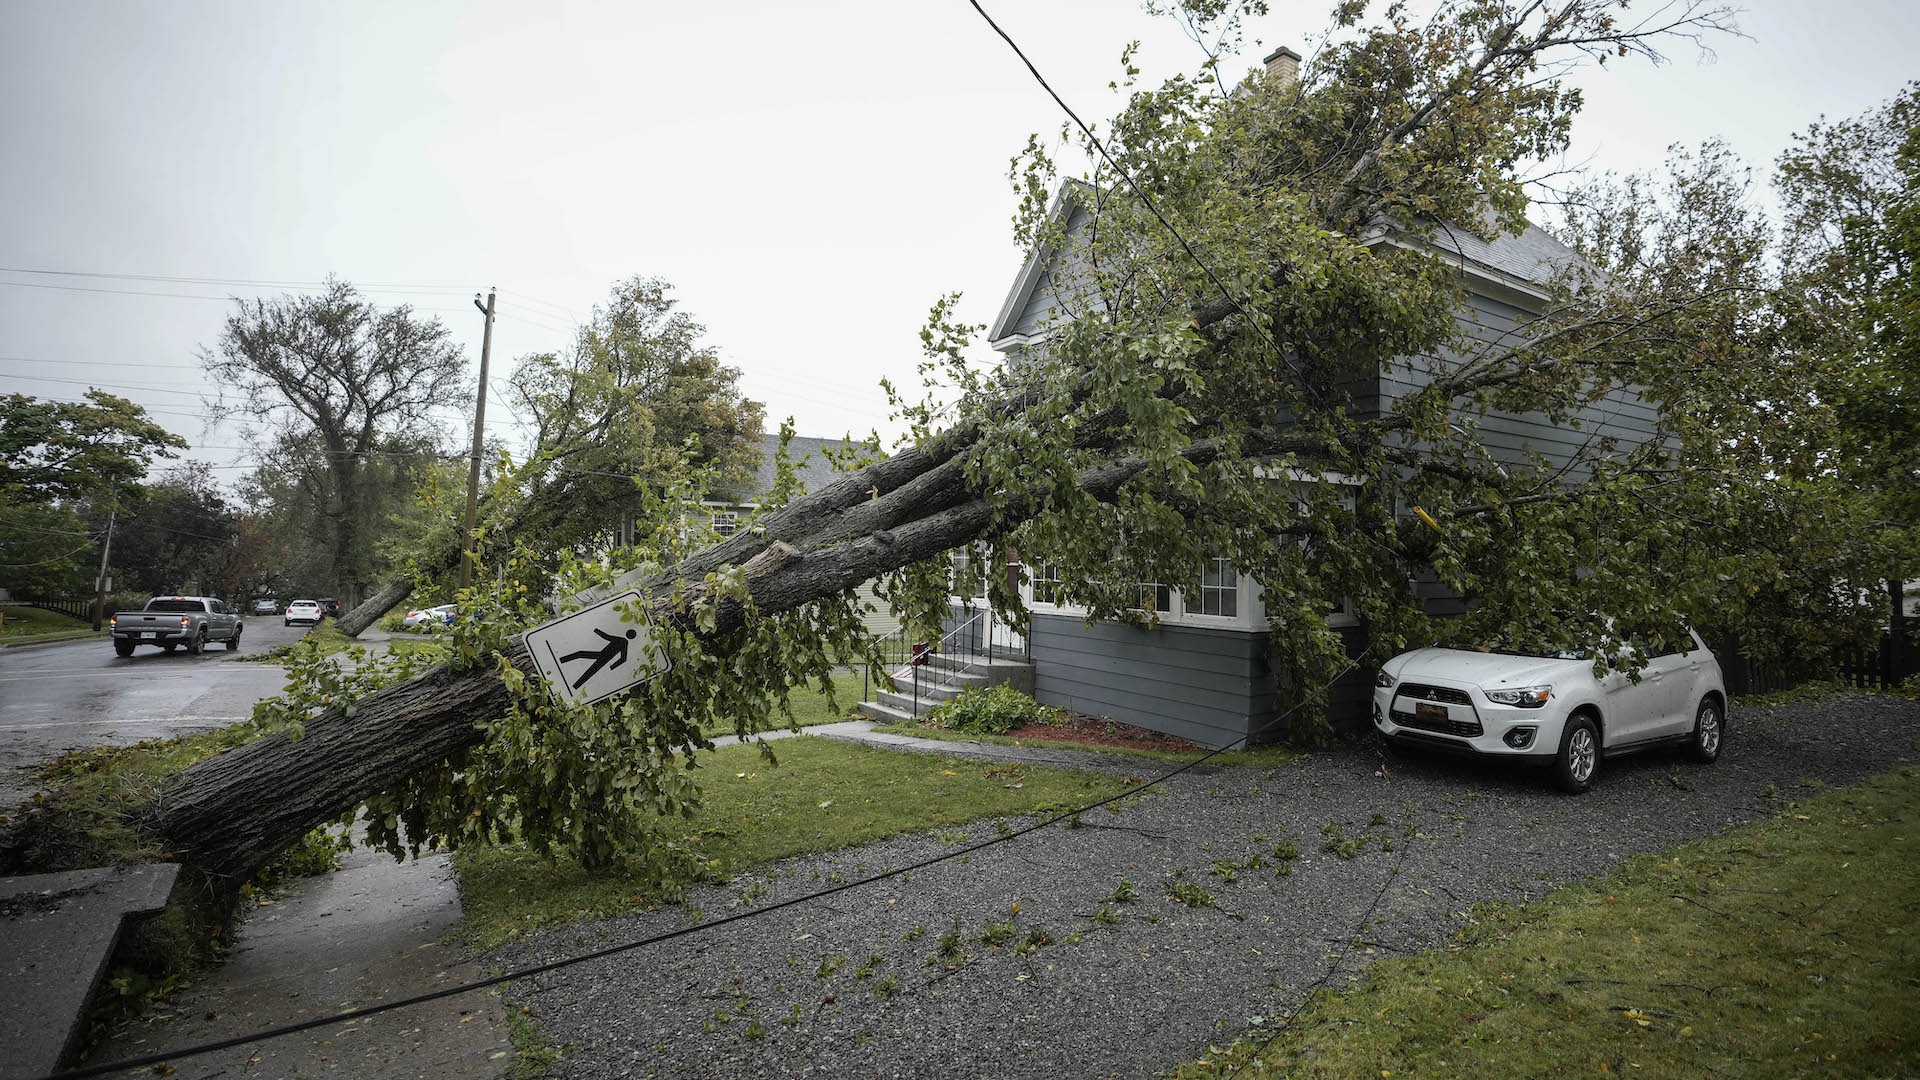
[[1444, 694], [1466, 729]]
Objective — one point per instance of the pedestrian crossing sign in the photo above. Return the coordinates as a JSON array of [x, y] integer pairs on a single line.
[[596, 652]]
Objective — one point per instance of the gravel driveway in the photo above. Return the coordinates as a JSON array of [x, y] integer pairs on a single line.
[[783, 995]]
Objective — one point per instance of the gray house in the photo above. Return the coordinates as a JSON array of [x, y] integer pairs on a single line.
[[1205, 671]]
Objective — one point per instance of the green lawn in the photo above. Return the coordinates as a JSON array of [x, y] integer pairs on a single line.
[[21, 621], [824, 795], [1788, 948], [421, 644], [810, 706], [328, 639]]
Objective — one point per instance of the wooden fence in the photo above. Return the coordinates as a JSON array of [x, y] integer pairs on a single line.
[[79, 608], [1892, 660]]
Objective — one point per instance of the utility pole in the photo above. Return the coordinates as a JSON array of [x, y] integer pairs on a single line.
[[101, 582], [479, 432]]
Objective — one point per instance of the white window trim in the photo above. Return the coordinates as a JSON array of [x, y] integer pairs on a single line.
[[1253, 615], [1251, 602]]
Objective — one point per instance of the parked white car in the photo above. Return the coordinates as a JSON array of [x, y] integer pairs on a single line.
[[1551, 710], [428, 618], [304, 611]]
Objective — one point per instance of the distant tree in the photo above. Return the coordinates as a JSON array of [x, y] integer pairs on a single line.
[[61, 450], [635, 402], [293, 492], [174, 531], [1850, 190], [336, 378], [62, 464], [636, 406], [45, 548]]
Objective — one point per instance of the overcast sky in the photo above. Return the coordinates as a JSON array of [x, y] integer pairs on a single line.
[[811, 177]]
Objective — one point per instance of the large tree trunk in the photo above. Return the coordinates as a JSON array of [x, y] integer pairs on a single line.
[[229, 814], [355, 622]]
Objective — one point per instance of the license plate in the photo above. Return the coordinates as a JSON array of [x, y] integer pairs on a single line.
[[1428, 711], [150, 633]]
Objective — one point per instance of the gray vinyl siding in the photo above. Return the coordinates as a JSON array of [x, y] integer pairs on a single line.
[[1513, 438], [1050, 290], [1040, 305], [1210, 686]]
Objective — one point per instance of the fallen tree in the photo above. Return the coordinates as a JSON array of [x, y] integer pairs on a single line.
[[1138, 442]]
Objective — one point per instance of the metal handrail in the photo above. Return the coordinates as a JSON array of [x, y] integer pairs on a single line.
[[964, 640]]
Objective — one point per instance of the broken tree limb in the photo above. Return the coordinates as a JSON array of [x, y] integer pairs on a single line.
[[229, 815], [355, 622]]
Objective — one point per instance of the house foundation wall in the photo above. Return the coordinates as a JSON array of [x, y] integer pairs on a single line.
[[1210, 686]]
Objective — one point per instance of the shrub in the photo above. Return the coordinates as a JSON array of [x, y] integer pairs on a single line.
[[991, 711]]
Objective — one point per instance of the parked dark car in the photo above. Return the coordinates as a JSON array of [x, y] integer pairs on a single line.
[[331, 608]]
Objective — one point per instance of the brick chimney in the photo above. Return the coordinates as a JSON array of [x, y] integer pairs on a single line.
[[1283, 67]]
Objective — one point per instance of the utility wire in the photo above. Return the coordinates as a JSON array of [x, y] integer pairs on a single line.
[[1145, 199], [94, 383], [5, 524], [101, 363], [754, 913], [45, 562], [267, 283], [1333, 969]]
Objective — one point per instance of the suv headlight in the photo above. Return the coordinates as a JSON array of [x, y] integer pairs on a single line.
[[1383, 680], [1526, 697]]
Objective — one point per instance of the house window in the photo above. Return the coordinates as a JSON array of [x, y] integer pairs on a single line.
[[962, 567], [1047, 588], [1155, 596], [1219, 590], [725, 522]]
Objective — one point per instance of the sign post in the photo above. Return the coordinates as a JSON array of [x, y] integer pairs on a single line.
[[595, 652]]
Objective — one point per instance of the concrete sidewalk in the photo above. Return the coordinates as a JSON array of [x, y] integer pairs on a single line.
[[862, 731], [370, 931]]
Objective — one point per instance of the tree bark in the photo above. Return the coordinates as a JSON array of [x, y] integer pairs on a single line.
[[355, 622], [230, 814]]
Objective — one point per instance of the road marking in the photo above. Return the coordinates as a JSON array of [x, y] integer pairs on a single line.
[[117, 723]]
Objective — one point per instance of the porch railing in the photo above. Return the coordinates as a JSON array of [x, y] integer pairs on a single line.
[[903, 659]]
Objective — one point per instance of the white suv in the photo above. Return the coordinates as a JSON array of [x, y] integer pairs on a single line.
[[1551, 710]]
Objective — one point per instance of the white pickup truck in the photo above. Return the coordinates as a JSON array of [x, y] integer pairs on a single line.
[[173, 621]]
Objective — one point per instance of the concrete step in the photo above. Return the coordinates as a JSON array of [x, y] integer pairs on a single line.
[[928, 698], [995, 670], [932, 678], [884, 714], [988, 665], [57, 932]]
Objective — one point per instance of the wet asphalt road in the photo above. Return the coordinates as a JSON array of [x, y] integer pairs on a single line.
[[72, 694]]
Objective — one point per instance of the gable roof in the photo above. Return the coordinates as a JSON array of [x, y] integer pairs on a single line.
[[811, 466], [1511, 267]]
